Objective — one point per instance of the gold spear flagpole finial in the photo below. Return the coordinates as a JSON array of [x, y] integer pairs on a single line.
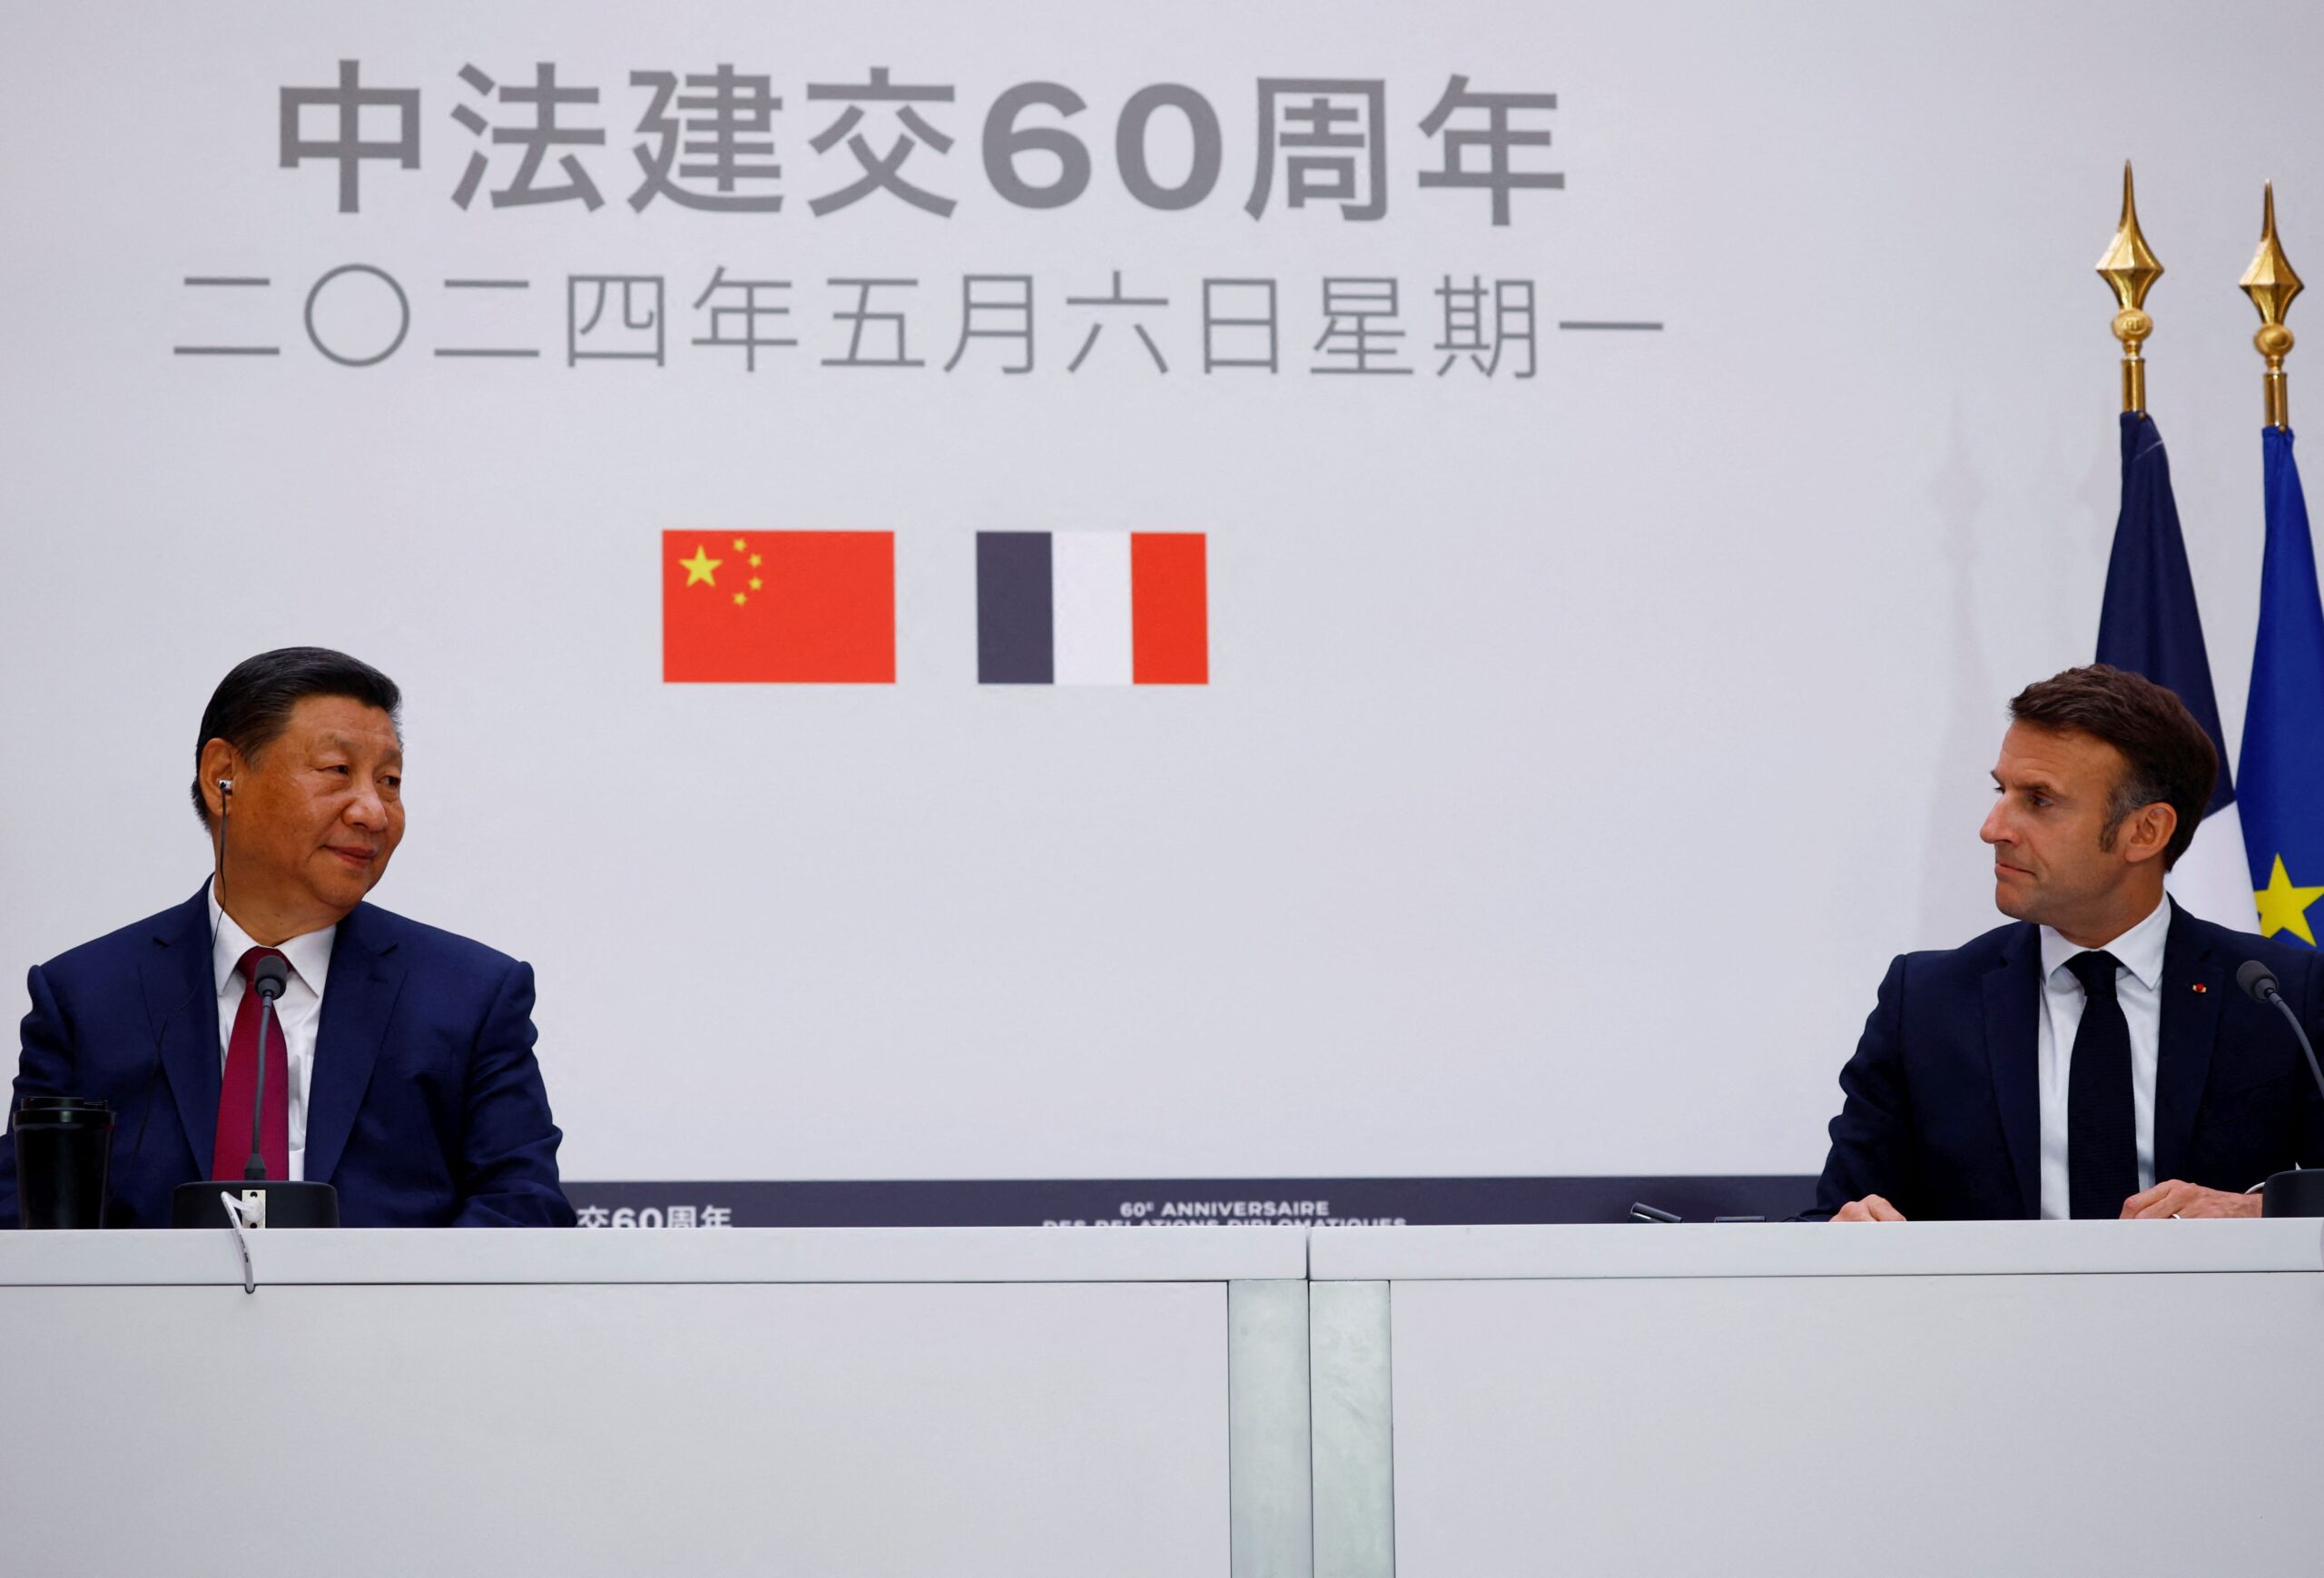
[[2271, 284], [2130, 269]]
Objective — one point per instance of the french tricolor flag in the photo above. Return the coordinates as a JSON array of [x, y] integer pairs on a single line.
[[1092, 607]]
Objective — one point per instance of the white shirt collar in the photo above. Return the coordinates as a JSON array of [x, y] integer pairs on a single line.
[[309, 954], [2138, 950]]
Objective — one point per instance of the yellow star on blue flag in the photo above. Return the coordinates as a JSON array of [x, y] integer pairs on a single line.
[[2282, 769], [2284, 907]]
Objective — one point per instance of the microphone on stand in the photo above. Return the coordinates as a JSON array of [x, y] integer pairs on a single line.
[[268, 980], [262, 1201], [2298, 1192]]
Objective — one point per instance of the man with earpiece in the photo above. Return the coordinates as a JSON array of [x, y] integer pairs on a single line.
[[401, 1068]]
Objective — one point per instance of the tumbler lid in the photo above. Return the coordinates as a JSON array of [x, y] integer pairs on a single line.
[[77, 1109]]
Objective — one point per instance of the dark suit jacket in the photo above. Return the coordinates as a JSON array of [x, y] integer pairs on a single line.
[[1943, 1113], [425, 1107]]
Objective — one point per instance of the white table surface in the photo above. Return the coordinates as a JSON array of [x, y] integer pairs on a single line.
[[602, 1403], [1812, 1250], [206, 1256], [2051, 1398]]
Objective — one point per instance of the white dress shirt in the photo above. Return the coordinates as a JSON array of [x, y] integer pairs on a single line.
[[2138, 985], [298, 1012]]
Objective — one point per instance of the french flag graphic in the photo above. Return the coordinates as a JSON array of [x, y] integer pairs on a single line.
[[1092, 607]]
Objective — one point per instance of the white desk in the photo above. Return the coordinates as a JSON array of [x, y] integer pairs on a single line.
[[893, 1404], [2045, 1398], [1443, 1403]]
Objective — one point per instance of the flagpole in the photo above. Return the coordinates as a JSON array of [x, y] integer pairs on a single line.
[[2130, 269], [2271, 284]]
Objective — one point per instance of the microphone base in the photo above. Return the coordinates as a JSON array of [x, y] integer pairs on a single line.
[[2297, 1193], [288, 1203]]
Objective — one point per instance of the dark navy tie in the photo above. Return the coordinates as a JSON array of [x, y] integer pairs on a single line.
[[2101, 1128]]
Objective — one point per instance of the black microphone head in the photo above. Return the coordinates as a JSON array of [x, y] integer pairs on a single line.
[[273, 972], [2257, 982]]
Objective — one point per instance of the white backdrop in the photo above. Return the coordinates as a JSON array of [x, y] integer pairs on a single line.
[[1577, 750]]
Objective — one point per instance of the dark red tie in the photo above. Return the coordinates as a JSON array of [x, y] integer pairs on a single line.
[[232, 1157]]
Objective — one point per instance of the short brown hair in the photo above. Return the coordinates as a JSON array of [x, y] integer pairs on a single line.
[[2170, 756]]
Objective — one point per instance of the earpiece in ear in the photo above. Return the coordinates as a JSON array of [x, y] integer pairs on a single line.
[[225, 787]]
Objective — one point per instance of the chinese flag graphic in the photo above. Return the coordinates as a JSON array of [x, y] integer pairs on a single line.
[[779, 607]]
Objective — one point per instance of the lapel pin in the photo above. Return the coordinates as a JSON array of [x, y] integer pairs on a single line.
[[2200, 987]]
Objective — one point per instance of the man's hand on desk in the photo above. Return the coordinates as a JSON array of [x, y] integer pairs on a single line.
[[2174, 1198]]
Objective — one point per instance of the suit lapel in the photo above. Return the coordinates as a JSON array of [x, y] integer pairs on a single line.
[[2193, 987], [2013, 1002], [181, 1004], [359, 995]]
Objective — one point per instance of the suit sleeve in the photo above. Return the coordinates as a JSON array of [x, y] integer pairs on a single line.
[[44, 1068], [509, 1158], [1872, 1142]]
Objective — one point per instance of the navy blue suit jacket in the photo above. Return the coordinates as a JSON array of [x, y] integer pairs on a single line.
[[1942, 1111], [425, 1106]]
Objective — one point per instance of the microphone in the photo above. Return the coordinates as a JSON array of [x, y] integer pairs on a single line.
[[2300, 1191], [268, 981], [284, 1202], [2259, 982]]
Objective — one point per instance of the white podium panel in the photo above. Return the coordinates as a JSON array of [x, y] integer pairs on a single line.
[[1808, 1399], [871, 1405]]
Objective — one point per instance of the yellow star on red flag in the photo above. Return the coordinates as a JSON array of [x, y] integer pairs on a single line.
[[701, 569]]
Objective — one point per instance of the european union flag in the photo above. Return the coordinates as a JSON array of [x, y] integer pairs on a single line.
[[2149, 625], [2283, 727]]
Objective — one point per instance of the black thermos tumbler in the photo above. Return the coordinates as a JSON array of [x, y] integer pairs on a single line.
[[64, 1155]]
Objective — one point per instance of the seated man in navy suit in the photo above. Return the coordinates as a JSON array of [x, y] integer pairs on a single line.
[[2095, 1058], [401, 1071]]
